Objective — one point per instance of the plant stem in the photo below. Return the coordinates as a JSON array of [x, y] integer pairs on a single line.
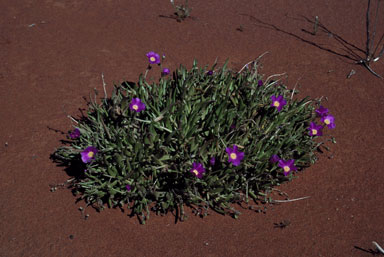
[[374, 28], [378, 247], [367, 50], [316, 25]]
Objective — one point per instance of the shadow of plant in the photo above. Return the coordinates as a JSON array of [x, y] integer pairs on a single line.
[[349, 51], [370, 250]]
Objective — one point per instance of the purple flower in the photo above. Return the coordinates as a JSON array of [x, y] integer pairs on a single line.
[[210, 72], [321, 111], [165, 72], [274, 158], [136, 105], [75, 133], [128, 187], [197, 169], [260, 83], [234, 156], [212, 161], [315, 130], [88, 154], [153, 58], [278, 102], [329, 120], [287, 166]]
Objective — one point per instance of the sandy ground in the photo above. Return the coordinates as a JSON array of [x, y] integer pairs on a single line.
[[53, 54]]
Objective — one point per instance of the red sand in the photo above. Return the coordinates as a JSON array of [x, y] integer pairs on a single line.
[[53, 54]]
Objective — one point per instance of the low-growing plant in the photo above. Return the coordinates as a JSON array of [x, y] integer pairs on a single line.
[[203, 138], [181, 11]]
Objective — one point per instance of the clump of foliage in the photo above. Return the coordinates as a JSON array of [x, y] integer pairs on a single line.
[[206, 139], [181, 11]]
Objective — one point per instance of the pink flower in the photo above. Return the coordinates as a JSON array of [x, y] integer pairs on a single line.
[[274, 158], [329, 120], [315, 130], [197, 169], [89, 154], [234, 155], [278, 102], [75, 133], [153, 58], [321, 111], [165, 72], [287, 166], [136, 105]]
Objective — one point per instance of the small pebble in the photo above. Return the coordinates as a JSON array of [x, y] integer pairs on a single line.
[[71, 236]]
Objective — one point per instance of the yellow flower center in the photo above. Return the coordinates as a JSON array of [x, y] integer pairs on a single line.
[[196, 172], [135, 107], [314, 131], [152, 59], [327, 121], [286, 168], [91, 154], [276, 103], [233, 156]]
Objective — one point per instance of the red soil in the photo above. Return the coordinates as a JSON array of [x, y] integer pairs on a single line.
[[54, 52]]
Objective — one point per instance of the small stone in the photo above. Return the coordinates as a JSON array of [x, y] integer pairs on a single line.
[[71, 237]]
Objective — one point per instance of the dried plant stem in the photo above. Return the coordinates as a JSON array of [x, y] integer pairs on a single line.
[[382, 49], [291, 200], [378, 247], [369, 55], [367, 51], [294, 88], [69, 116], [245, 66], [274, 75], [256, 60], [102, 78], [374, 28], [366, 65], [316, 25]]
